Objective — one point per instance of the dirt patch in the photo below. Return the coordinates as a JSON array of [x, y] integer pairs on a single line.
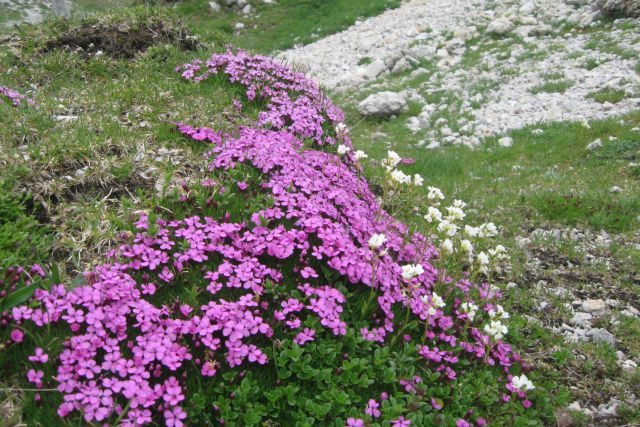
[[121, 41]]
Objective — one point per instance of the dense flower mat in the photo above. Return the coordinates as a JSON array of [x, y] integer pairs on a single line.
[[318, 261]]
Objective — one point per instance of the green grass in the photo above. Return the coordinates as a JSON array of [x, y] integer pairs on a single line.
[[554, 163], [608, 95], [92, 172], [289, 23], [553, 86]]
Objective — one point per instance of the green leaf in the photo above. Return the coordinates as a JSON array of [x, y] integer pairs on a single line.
[[18, 297]]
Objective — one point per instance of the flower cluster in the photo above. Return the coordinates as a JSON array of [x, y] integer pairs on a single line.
[[126, 355], [12, 96], [293, 102]]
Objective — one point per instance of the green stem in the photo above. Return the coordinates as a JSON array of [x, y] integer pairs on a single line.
[[123, 413]]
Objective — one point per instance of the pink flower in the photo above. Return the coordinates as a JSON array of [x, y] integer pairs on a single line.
[[17, 335], [372, 408], [174, 417], [35, 377], [305, 336], [401, 422], [354, 422], [40, 356], [242, 185]]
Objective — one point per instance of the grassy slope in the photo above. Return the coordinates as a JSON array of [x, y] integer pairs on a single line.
[[290, 22]]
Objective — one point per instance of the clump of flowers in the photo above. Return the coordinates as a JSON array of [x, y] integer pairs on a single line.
[[286, 277], [15, 98]]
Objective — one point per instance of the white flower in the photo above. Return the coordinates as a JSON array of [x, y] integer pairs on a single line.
[[448, 228], [400, 177], [436, 302], [488, 230], [433, 214], [500, 253], [377, 240], [455, 213], [343, 149], [522, 383], [471, 231], [342, 129], [469, 308], [435, 195], [417, 180], [499, 312], [496, 329], [359, 154], [483, 258], [459, 204], [466, 246], [392, 159], [447, 247], [411, 270]]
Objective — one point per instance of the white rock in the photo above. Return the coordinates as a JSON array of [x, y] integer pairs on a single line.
[[505, 142], [374, 69], [239, 26], [382, 104], [593, 306], [595, 144], [215, 6], [401, 65], [599, 335], [500, 27], [582, 319], [628, 365], [424, 51], [615, 189]]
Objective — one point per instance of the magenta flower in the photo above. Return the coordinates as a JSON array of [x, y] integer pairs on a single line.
[[401, 422], [372, 408], [174, 417], [305, 336], [39, 357], [17, 335], [354, 422]]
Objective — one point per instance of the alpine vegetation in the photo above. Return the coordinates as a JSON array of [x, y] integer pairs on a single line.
[[284, 293]]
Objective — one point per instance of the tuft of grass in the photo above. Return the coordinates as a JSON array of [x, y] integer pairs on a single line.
[[558, 86], [591, 64], [608, 95], [602, 211]]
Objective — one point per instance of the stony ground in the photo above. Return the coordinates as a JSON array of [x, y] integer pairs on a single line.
[[492, 66]]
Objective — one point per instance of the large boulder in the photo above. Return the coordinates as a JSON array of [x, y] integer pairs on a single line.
[[382, 104]]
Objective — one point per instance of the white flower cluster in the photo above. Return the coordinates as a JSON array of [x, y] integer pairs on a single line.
[[436, 302], [396, 176], [458, 238], [498, 312], [410, 271], [469, 308], [496, 329], [522, 382], [377, 240]]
